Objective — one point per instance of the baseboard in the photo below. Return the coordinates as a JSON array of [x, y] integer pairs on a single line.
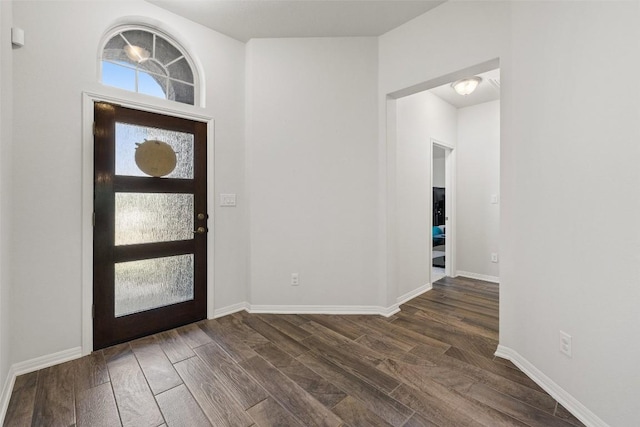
[[558, 393], [486, 278], [31, 366], [6, 394], [414, 293], [230, 309], [324, 309], [389, 311], [46, 361]]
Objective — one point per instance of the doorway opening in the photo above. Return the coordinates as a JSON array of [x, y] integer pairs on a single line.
[[441, 194], [426, 124]]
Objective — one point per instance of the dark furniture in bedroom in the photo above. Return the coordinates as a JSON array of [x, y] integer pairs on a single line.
[[438, 206], [439, 217]]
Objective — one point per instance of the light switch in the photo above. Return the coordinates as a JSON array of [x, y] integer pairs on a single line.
[[227, 199], [17, 37]]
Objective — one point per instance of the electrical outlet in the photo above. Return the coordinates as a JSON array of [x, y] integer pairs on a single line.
[[295, 279], [565, 343], [494, 257]]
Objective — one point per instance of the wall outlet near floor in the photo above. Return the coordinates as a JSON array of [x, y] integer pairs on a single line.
[[565, 343], [494, 257], [295, 279]]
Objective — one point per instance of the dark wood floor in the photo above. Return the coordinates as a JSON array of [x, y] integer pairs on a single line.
[[431, 364]]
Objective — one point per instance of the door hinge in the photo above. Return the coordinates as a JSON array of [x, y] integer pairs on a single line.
[[93, 219], [93, 311]]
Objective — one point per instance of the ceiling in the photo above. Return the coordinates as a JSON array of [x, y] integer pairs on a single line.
[[488, 90], [247, 19]]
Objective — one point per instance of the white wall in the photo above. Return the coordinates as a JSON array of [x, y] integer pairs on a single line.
[[5, 187], [569, 138], [58, 63], [478, 178], [419, 118], [312, 157], [570, 164]]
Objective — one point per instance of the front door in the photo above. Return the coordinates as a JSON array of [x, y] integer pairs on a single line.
[[150, 223]]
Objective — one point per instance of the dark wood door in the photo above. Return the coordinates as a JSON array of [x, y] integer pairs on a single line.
[[150, 233]]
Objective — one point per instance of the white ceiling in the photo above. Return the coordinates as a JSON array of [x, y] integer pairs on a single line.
[[488, 90], [247, 19]]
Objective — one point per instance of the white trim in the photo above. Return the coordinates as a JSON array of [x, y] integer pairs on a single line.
[[483, 67], [442, 144], [486, 278], [323, 309], [211, 211], [563, 397], [313, 309], [390, 311], [155, 106], [45, 361], [86, 239], [33, 365], [387, 244], [414, 293], [147, 103], [6, 394], [230, 309], [451, 208], [450, 205]]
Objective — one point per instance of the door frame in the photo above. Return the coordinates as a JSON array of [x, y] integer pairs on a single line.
[[88, 100], [449, 206]]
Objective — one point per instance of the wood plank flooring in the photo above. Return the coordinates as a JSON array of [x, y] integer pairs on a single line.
[[432, 364]]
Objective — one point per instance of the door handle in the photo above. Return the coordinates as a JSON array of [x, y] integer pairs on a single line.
[[200, 230], [202, 216]]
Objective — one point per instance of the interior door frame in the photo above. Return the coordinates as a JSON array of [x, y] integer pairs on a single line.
[[449, 206], [190, 113]]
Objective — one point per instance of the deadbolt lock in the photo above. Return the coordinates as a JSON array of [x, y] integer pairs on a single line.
[[202, 216], [200, 230]]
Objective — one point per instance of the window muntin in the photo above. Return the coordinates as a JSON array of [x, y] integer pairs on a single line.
[[145, 62]]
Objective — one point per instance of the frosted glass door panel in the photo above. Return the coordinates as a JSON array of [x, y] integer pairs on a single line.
[[152, 283], [153, 217], [127, 136]]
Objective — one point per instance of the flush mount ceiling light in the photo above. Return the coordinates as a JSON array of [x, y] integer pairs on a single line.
[[136, 53], [466, 86]]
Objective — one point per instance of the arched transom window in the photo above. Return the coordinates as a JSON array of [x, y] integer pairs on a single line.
[[143, 61]]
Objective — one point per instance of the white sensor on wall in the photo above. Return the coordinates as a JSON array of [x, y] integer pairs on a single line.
[[17, 37], [228, 200]]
